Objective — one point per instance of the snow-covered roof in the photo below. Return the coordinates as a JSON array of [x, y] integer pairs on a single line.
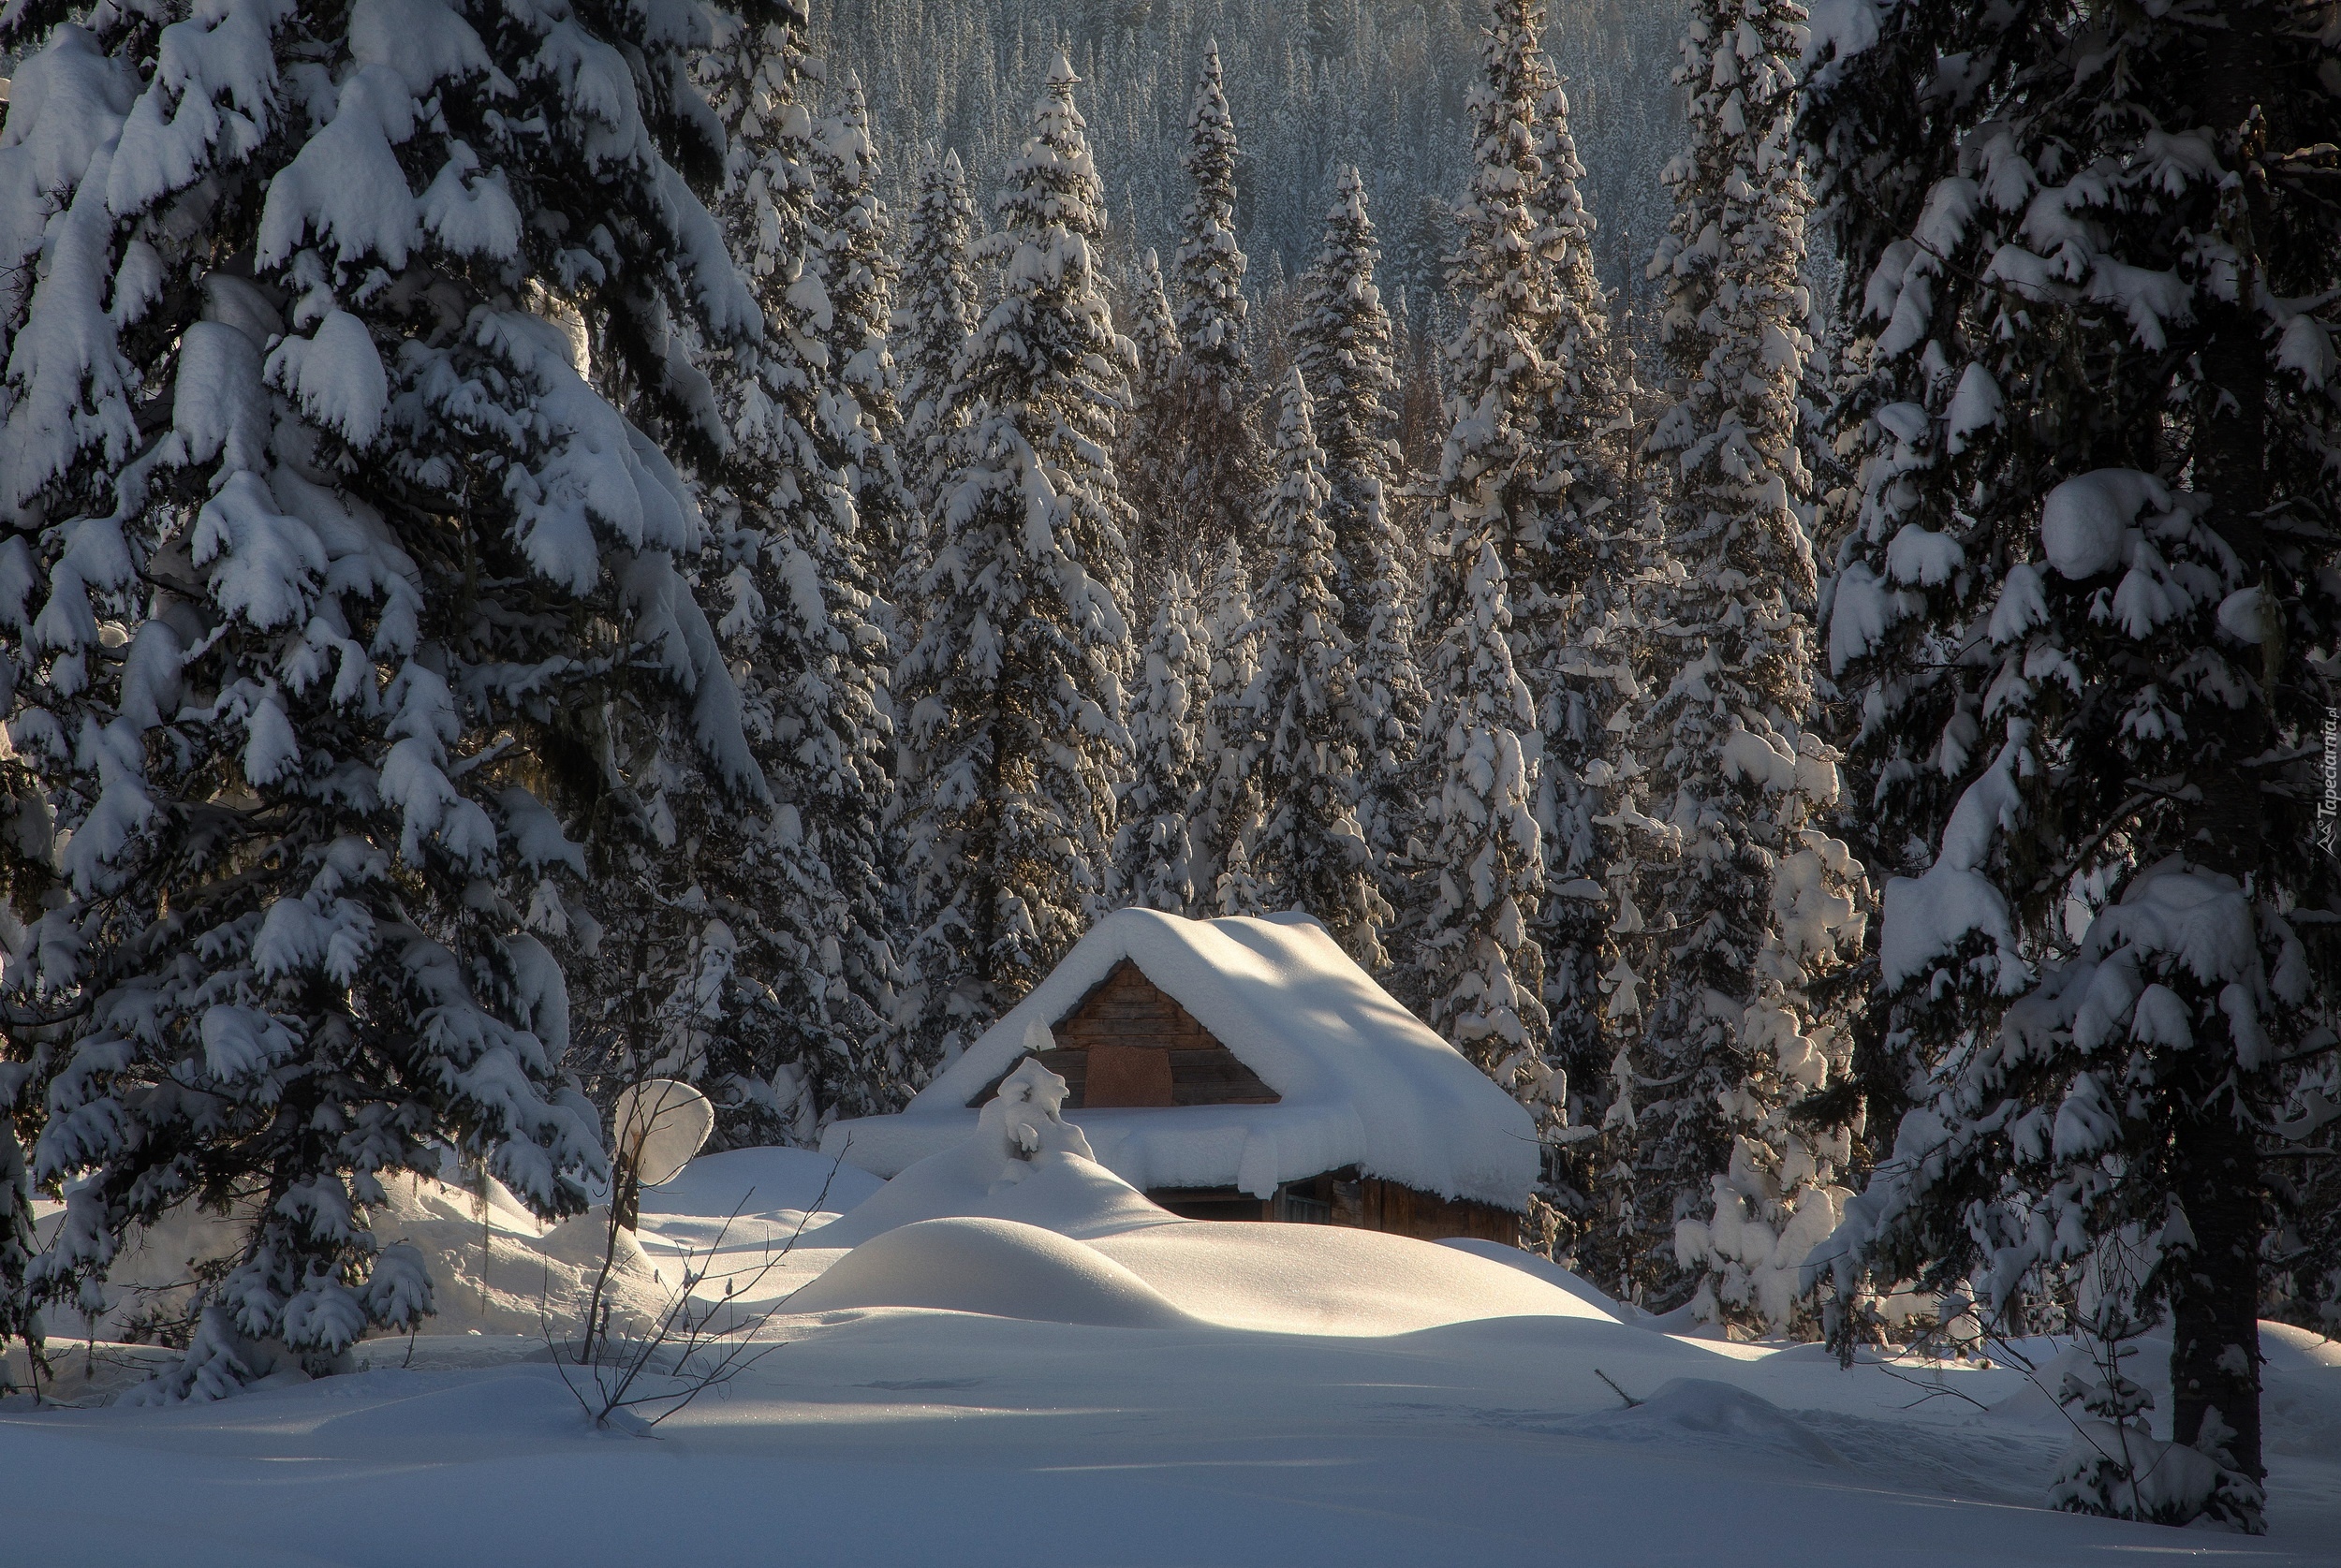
[[1360, 1080]]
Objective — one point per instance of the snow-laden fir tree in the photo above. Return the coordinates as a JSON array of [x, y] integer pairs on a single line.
[[1482, 858], [937, 313], [933, 317], [861, 406], [1152, 455], [1495, 496], [1342, 345], [1153, 847], [1227, 808], [1212, 307], [663, 988], [1308, 851], [1577, 560], [1014, 746], [754, 946], [1751, 907], [2086, 622], [1154, 330], [1217, 463], [330, 580]]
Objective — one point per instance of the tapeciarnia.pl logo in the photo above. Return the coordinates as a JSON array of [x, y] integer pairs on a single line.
[[2329, 809]]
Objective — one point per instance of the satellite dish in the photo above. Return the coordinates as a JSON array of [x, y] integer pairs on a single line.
[[660, 1123]]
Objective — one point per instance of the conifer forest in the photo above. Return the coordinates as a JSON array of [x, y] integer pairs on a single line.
[[1769, 569]]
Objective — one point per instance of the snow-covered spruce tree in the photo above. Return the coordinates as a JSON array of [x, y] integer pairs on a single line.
[[1308, 851], [328, 578], [1577, 561], [1341, 343], [1212, 307], [1754, 908], [1150, 457], [2089, 617], [1482, 858], [1015, 747], [1219, 463], [1494, 495], [860, 407], [1154, 330], [1153, 848], [1226, 809], [753, 955], [933, 318], [663, 986]]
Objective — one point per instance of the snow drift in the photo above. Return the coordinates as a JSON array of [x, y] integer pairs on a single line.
[[997, 1268]]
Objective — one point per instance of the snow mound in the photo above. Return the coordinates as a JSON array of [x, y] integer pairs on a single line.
[[995, 1268], [1063, 1192], [494, 1267], [1547, 1270], [509, 1274], [2033, 1405], [1325, 1279], [1701, 1407], [1024, 1163], [1028, 1168], [2301, 1403]]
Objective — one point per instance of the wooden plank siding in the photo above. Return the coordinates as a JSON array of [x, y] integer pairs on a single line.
[[1126, 1011], [1401, 1210], [1343, 1198]]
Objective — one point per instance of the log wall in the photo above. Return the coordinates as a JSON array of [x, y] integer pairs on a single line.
[[1124, 1014]]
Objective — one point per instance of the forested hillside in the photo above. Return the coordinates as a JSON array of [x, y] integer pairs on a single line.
[[1315, 87]]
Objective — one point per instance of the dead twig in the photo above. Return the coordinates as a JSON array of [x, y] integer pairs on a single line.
[[699, 1343], [1630, 1401]]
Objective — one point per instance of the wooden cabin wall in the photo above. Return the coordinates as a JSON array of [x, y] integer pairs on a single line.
[[1129, 1043], [1346, 1198], [1401, 1210]]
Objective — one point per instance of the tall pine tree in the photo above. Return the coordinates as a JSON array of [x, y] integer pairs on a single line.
[[1342, 345], [1577, 557], [1218, 461], [861, 409], [1308, 851], [934, 317], [1153, 848], [1228, 806], [1015, 746], [1151, 458], [331, 578], [1752, 907], [1524, 473], [770, 933], [2082, 619], [1483, 852]]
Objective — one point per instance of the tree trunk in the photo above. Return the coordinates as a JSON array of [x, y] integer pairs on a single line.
[[2215, 1294], [2230, 443]]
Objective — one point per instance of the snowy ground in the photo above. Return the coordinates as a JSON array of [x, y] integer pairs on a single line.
[[1273, 1396]]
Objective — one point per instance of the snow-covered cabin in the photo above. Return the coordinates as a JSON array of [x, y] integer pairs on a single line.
[[1242, 1069]]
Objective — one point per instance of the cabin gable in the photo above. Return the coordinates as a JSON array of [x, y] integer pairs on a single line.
[[1128, 1042]]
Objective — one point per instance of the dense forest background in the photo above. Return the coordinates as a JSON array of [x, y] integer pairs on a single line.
[[1313, 86]]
